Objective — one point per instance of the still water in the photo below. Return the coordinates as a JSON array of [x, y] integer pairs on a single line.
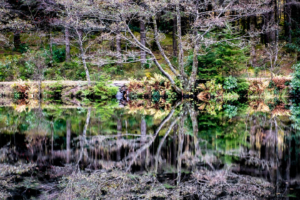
[[142, 149]]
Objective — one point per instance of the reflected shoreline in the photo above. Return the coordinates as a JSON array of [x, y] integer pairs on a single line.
[[181, 145]]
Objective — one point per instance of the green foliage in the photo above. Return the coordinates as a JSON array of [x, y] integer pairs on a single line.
[[271, 84], [230, 111], [242, 87], [155, 96], [213, 88], [231, 96], [256, 71], [222, 58], [15, 67], [16, 95], [104, 89], [295, 44], [134, 28], [230, 83], [55, 88], [148, 64], [59, 54], [295, 116], [295, 83], [23, 48]]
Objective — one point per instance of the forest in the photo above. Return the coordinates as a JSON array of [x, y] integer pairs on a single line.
[[149, 99], [186, 42]]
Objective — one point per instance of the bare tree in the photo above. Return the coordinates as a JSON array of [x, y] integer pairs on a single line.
[[203, 22]]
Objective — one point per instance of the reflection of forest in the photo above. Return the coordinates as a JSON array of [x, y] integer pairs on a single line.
[[173, 143]]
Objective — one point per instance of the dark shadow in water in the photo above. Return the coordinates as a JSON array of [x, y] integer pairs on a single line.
[[192, 148]]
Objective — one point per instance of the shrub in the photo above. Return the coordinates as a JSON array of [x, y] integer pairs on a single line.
[[280, 83], [23, 48], [230, 111], [295, 83], [242, 87], [59, 54], [230, 83], [104, 89]]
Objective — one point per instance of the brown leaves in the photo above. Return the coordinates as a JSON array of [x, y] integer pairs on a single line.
[[280, 82]]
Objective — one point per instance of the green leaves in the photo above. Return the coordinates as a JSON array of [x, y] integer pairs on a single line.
[[230, 111], [230, 83], [104, 88], [295, 83]]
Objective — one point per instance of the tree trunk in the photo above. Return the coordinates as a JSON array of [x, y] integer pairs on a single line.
[[119, 134], [289, 21], [161, 50], [84, 63], [143, 47], [118, 44], [143, 41], [175, 50], [143, 135], [193, 76], [83, 136], [17, 41], [50, 44], [253, 51], [68, 140], [67, 40], [270, 20], [276, 19], [179, 40]]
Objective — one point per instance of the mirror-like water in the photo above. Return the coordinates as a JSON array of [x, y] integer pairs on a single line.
[[145, 150]]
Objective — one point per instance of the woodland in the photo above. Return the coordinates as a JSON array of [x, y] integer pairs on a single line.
[[149, 99], [175, 43]]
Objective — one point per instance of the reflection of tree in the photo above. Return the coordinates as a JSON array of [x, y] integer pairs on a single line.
[[212, 147], [82, 138]]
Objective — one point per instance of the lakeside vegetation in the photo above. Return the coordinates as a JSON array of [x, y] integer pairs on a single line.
[[149, 99]]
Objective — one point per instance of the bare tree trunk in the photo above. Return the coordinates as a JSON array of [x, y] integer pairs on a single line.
[[143, 135], [271, 35], [118, 44], [143, 41], [276, 16], [84, 63], [162, 52], [50, 44], [87, 122], [180, 147], [17, 41], [119, 134], [143, 129], [193, 75], [175, 50], [166, 74], [67, 41], [83, 136], [179, 40], [68, 139], [289, 21], [253, 51]]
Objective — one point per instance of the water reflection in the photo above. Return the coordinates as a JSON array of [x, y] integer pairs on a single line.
[[202, 150]]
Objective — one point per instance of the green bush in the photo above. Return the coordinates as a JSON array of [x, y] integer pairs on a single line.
[[59, 54], [23, 48], [295, 83], [230, 83], [230, 111], [271, 84], [242, 87], [104, 89]]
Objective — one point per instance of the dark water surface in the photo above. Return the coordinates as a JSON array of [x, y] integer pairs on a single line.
[[150, 150]]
